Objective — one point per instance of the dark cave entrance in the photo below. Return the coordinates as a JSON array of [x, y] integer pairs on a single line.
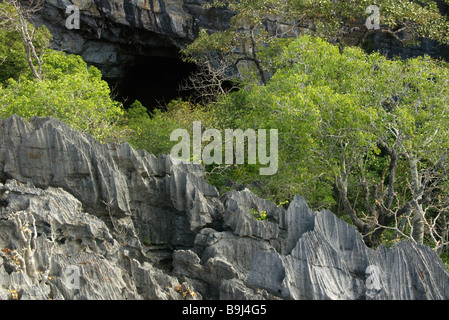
[[154, 81]]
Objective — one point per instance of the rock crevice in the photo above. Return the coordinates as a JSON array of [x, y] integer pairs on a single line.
[[113, 33], [129, 225]]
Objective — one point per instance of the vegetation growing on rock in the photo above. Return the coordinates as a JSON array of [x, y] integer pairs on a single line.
[[361, 134]]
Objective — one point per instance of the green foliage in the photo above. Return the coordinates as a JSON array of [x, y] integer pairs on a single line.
[[445, 257], [259, 215], [215, 42], [283, 203], [12, 55], [342, 115], [20, 41], [137, 112], [152, 131], [345, 20], [67, 88], [146, 242], [70, 91], [334, 110], [252, 29], [13, 61]]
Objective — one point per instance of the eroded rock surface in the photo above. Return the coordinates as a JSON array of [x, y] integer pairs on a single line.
[[134, 226], [112, 34]]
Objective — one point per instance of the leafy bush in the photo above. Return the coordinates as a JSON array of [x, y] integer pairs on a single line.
[[152, 131], [259, 215], [70, 91], [13, 57], [354, 129]]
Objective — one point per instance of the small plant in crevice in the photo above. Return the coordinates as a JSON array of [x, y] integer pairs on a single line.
[[146, 242], [184, 291], [259, 215]]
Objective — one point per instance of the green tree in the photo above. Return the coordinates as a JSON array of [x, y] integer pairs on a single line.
[[370, 131], [249, 43], [69, 90], [12, 55], [14, 22], [151, 131], [37, 81]]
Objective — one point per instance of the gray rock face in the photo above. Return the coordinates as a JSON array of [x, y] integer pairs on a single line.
[[85, 220], [113, 33]]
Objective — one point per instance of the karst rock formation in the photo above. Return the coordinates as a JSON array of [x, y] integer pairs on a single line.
[[84, 220], [115, 35]]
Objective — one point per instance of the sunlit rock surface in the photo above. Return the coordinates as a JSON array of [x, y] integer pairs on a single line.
[[112, 34], [85, 220]]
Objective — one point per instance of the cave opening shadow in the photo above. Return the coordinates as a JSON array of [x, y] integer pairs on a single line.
[[154, 81]]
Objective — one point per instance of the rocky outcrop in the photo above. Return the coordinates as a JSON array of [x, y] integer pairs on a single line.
[[85, 220], [113, 34]]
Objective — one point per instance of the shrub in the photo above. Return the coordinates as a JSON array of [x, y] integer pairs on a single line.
[[70, 91]]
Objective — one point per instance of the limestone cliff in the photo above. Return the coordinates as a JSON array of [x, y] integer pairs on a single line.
[[134, 226], [114, 33]]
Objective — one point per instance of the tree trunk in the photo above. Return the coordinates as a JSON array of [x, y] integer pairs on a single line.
[[418, 222], [417, 210], [342, 191], [28, 39]]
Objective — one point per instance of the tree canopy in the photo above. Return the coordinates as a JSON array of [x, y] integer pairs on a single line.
[[260, 28], [373, 130], [38, 81]]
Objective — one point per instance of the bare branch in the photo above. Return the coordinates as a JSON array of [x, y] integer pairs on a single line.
[[18, 20], [210, 81]]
